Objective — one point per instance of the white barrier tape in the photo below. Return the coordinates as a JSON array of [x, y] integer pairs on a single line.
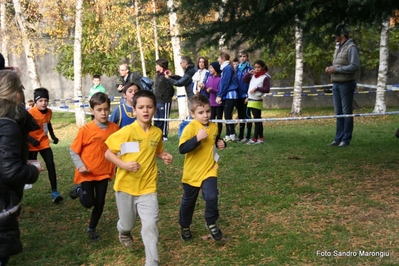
[[236, 121]]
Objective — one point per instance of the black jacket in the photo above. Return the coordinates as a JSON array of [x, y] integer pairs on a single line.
[[14, 174], [185, 81], [164, 90]]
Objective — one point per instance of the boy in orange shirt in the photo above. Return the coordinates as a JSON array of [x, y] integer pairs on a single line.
[[93, 171], [39, 141]]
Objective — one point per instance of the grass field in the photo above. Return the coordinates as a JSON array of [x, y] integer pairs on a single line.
[[291, 201]]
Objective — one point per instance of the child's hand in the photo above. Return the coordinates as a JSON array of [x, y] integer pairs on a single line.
[[55, 140], [221, 145], [132, 166], [202, 134], [83, 170], [167, 158]]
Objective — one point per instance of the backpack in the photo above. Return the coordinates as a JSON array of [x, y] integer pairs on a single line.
[[146, 83]]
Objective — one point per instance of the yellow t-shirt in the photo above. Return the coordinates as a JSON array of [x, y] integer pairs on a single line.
[[199, 164], [144, 181]]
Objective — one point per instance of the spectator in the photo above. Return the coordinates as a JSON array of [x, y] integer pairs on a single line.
[[343, 73], [189, 70], [243, 68], [200, 77], [127, 76], [259, 83], [164, 92], [15, 123], [228, 93]]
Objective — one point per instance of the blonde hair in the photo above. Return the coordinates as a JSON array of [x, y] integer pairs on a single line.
[[10, 86]]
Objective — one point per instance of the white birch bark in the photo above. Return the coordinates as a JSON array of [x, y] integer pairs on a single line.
[[77, 64], [297, 98], [3, 31], [136, 7], [28, 45], [176, 47], [154, 6], [380, 104]]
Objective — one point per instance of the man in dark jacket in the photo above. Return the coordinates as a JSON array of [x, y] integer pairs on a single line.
[[189, 70], [164, 92], [127, 76]]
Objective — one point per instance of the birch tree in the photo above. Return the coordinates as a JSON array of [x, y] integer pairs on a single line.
[[176, 47], [154, 18], [380, 104], [77, 63], [136, 7], [297, 98], [3, 30], [24, 27]]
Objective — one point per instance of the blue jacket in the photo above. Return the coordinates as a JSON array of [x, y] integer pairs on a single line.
[[243, 86], [228, 82]]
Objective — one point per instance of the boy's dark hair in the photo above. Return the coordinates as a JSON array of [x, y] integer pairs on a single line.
[[206, 62], [128, 85], [144, 93], [40, 93], [162, 62], [198, 100], [99, 98], [262, 64], [96, 76], [236, 59]]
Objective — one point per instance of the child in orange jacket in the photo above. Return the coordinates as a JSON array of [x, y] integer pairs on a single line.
[[39, 141]]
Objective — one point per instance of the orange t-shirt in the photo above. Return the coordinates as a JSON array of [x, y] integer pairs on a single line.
[[40, 134], [90, 145]]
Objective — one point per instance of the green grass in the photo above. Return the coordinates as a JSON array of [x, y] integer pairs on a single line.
[[280, 202]]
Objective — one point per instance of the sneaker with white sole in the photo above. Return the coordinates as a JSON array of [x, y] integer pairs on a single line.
[[227, 139], [215, 231], [185, 234], [126, 240], [244, 140], [250, 142], [259, 141]]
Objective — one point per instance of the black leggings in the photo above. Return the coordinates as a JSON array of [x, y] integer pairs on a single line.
[[93, 194], [228, 109], [48, 157], [256, 113], [217, 112]]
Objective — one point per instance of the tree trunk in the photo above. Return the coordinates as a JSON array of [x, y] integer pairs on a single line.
[[77, 64], [29, 50], [380, 104], [3, 31], [136, 7], [297, 99], [174, 32], [154, 5]]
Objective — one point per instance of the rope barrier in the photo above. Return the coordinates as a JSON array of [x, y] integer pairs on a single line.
[[235, 121]]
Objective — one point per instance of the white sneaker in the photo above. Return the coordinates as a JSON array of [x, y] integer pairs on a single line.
[[250, 142], [165, 139], [244, 140], [227, 139], [259, 141]]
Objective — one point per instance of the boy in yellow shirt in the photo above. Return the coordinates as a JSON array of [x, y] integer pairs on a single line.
[[136, 179], [198, 142]]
